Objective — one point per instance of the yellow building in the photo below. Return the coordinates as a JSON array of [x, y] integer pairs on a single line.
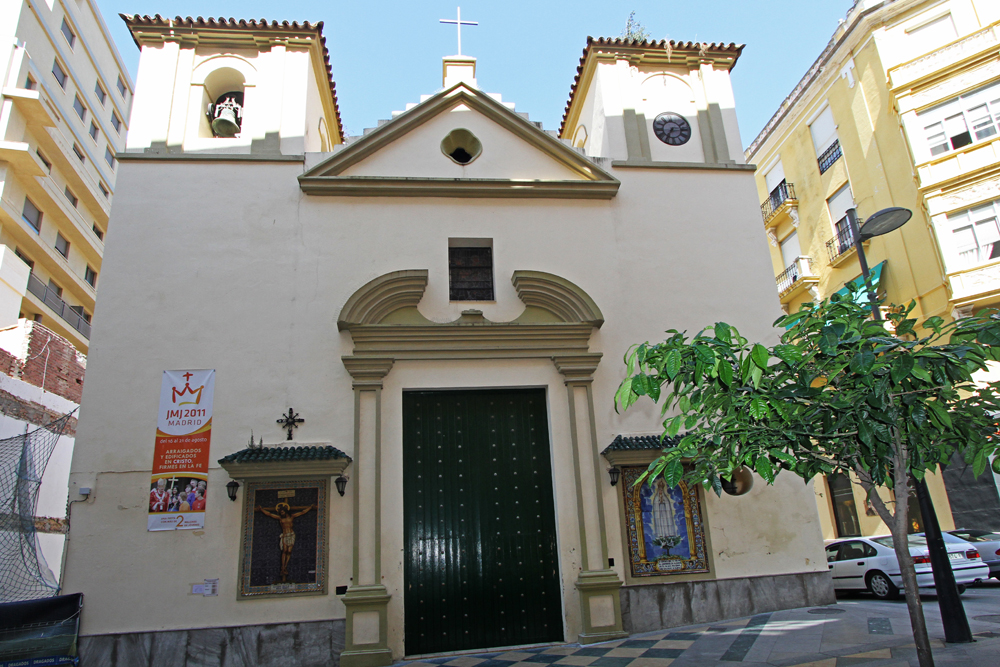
[[64, 110], [902, 108]]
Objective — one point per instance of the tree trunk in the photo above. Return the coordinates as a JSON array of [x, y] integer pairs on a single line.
[[900, 543], [898, 523]]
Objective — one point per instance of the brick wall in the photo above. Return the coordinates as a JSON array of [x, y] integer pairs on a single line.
[[53, 364]]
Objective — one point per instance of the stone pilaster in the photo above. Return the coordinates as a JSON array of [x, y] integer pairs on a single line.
[[367, 627], [597, 584]]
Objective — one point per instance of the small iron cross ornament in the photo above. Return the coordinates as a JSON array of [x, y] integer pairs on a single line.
[[290, 421]]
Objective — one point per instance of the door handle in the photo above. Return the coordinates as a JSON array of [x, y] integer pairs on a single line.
[[861, 562]]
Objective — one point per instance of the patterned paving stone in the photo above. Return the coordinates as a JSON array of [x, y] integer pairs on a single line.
[[663, 653], [674, 643], [576, 660], [651, 662], [622, 652], [612, 662]]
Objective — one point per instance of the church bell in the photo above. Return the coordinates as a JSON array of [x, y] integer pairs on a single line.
[[226, 115]]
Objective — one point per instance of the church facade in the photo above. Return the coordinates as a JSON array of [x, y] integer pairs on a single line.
[[434, 314]]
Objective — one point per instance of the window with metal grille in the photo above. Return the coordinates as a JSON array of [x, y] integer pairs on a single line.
[[470, 273]]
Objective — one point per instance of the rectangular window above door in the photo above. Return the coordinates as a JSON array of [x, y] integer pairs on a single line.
[[470, 273]]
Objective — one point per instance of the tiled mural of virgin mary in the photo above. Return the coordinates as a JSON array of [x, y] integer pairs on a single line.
[[666, 533]]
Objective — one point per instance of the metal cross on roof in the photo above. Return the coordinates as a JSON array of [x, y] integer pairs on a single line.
[[290, 421], [459, 23]]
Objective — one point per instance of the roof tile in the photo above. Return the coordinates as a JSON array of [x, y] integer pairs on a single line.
[[285, 454], [626, 443]]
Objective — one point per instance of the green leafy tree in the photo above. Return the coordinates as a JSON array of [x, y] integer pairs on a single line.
[[634, 30], [841, 393]]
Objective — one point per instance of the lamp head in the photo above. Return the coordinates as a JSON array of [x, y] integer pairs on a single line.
[[739, 483], [232, 488], [885, 221]]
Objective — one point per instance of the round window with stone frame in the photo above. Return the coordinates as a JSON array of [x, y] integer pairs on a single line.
[[672, 128], [461, 146]]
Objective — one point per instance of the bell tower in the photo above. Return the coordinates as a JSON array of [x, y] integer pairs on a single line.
[[655, 103], [232, 86]]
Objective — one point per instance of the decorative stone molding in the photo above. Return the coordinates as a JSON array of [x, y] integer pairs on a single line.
[[772, 238], [955, 85], [327, 177], [793, 213], [386, 326], [556, 295], [383, 296], [578, 368], [367, 371], [980, 192], [950, 54]]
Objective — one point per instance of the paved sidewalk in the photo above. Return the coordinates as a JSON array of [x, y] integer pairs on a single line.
[[852, 632]]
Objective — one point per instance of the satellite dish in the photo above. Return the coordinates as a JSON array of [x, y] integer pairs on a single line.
[[885, 221]]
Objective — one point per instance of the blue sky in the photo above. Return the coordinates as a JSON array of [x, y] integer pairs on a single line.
[[386, 54]]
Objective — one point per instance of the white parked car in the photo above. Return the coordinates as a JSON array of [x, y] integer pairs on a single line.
[[987, 543], [860, 563]]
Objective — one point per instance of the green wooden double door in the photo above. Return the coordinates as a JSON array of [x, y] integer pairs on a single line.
[[481, 565]]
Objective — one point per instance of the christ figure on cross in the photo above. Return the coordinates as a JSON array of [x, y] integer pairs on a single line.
[[459, 23], [286, 516]]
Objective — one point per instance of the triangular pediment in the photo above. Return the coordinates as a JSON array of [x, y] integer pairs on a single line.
[[404, 157]]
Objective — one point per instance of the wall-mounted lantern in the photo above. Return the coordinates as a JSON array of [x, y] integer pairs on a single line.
[[615, 472], [341, 483], [739, 483], [232, 488]]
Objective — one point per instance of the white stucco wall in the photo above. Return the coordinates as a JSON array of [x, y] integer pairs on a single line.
[[247, 276]]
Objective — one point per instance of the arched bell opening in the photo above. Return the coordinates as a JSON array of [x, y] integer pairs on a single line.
[[461, 146], [224, 103]]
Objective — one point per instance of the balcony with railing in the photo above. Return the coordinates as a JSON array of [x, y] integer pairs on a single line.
[[796, 278], [781, 200], [841, 247], [830, 156], [50, 298]]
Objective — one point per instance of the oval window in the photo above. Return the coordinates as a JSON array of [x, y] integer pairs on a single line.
[[461, 146]]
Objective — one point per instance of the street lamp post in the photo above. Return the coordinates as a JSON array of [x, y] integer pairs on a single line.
[[956, 624]]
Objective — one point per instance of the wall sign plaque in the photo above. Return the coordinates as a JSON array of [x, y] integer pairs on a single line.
[[666, 533], [284, 549]]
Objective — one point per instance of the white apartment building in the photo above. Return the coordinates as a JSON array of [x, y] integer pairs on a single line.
[[63, 118]]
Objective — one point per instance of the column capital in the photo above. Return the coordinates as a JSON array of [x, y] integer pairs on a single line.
[[578, 368], [368, 372]]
